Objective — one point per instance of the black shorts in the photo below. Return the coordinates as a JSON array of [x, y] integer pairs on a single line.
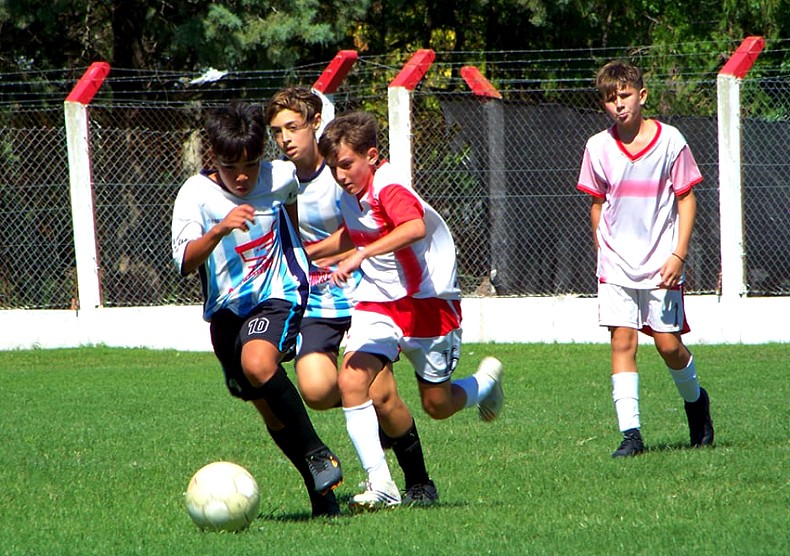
[[275, 320], [321, 335]]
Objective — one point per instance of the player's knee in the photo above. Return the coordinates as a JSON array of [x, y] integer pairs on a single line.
[[353, 381], [624, 344], [673, 352], [258, 370], [319, 397], [437, 409]]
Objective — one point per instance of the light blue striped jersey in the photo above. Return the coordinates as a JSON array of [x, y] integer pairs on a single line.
[[319, 217], [246, 268]]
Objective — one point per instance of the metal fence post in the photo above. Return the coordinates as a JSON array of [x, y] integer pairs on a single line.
[[81, 185], [733, 254]]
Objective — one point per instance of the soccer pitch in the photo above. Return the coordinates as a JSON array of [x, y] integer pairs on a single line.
[[98, 446]]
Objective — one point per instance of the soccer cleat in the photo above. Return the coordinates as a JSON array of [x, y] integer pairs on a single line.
[[631, 445], [491, 406], [376, 496], [700, 423], [325, 469], [324, 505], [424, 494]]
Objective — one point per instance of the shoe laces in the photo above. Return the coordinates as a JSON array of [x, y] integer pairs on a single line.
[[319, 462]]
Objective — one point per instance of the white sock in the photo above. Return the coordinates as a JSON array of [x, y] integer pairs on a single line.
[[476, 388], [686, 381], [363, 429], [625, 393]]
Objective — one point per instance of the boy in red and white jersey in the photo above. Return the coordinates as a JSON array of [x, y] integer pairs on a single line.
[[640, 174], [408, 300], [294, 116]]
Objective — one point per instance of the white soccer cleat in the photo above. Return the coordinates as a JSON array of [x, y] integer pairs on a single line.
[[491, 406], [377, 496]]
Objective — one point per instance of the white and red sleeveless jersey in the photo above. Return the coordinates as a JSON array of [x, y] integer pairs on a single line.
[[426, 268], [638, 228]]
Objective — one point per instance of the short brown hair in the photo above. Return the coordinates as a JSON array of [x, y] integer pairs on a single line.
[[615, 75], [358, 130], [299, 99]]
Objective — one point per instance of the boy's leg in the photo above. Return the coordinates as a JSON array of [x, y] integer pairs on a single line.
[[282, 397], [252, 371], [434, 361], [316, 374], [668, 320], [356, 375], [399, 430], [316, 361], [625, 390], [322, 505], [696, 401]]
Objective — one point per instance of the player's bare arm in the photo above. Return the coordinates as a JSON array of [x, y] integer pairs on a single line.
[[339, 242], [198, 250], [672, 270], [595, 218], [401, 236]]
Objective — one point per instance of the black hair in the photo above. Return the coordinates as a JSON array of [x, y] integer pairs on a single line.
[[236, 131]]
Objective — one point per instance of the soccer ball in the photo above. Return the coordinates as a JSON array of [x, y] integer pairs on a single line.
[[222, 496]]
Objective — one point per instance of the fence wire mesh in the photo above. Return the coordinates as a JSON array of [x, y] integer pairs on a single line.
[[502, 173]]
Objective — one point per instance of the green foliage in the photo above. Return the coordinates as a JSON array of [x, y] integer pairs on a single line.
[[258, 34], [98, 463]]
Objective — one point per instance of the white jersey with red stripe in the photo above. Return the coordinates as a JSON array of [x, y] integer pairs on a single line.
[[319, 217], [426, 268], [638, 228]]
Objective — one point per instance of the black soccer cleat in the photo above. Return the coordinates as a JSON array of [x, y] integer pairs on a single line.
[[631, 445], [324, 505], [325, 469], [700, 423], [423, 494]]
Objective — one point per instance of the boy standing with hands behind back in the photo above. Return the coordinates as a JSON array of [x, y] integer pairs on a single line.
[[640, 174]]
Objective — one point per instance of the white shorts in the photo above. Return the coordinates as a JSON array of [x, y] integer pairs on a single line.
[[427, 331], [655, 310]]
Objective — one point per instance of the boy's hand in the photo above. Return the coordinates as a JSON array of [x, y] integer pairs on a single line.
[[671, 272], [237, 219], [346, 267]]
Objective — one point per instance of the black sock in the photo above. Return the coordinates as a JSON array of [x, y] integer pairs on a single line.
[[408, 450], [285, 402], [293, 452], [325, 504]]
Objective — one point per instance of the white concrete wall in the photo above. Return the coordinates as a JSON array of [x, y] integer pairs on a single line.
[[502, 320]]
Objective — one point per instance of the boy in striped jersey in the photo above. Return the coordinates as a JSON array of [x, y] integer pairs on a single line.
[[236, 226], [640, 174], [294, 117]]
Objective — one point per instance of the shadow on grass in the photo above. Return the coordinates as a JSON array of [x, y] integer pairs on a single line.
[[675, 446], [297, 517]]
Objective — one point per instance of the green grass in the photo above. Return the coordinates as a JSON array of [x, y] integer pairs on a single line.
[[98, 445]]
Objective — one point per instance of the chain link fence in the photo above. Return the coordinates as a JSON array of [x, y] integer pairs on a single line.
[[501, 172]]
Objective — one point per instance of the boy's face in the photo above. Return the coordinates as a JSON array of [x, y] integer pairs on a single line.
[[353, 171], [294, 136], [624, 105], [240, 176]]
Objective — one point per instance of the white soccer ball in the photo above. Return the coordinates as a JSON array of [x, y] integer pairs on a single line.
[[222, 496]]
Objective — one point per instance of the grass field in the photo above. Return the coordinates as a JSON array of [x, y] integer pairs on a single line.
[[98, 445]]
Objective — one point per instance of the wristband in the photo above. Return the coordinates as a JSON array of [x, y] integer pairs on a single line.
[[682, 260]]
